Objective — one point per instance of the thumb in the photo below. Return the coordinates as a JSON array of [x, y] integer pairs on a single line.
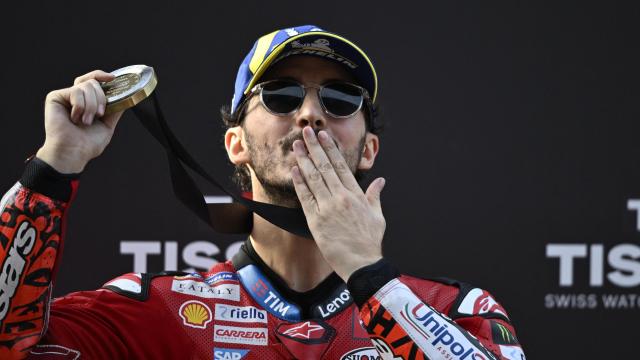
[[374, 190]]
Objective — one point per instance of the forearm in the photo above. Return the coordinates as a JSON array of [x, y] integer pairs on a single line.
[[432, 323], [31, 231]]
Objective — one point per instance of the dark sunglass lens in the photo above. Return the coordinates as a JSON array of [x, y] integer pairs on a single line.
[[282, 97], [341, 99]]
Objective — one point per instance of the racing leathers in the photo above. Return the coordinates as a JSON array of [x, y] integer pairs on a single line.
[[239, 309]]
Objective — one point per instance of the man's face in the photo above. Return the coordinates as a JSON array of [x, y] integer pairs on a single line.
[[269, 138]]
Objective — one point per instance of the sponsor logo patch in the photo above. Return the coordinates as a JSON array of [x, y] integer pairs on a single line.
[[195, 314], [319, 44], [339, 300], [306, 340], [308, 331], [365, 353], [14, 264], [229, 354], [502, 335], [385, 351], [266, 295], [243, 314], [433, 327], [512, 352], [221, 276], [240, 335], [480, 302], [201, 289]]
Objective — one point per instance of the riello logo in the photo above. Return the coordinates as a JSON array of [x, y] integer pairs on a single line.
[[616, 266]]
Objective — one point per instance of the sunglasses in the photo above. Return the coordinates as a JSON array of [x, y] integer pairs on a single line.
[[284, 97]]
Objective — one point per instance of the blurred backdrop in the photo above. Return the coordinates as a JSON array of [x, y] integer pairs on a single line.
[[511, 147]]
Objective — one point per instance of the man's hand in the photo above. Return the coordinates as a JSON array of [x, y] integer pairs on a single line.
[[346, 223], [76, 130]]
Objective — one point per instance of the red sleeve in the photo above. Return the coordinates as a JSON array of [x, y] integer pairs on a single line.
[[30, 242], [410, 318]]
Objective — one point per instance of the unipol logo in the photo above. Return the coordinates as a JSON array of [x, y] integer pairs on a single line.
[[607, 265]]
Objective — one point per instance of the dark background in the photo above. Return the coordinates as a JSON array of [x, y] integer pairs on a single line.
[[510, 125]]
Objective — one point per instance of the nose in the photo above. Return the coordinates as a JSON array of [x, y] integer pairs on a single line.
[[310, 112]]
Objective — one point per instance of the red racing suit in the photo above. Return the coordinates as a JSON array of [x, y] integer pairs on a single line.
[[239, 309]]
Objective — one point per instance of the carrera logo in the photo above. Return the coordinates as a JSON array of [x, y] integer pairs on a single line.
[[203, 290], [229, 354], [14, 264], [479, 302], [365, 353], [195, 314], [240, 335], [310, 332], [449, 340], [243, 314]]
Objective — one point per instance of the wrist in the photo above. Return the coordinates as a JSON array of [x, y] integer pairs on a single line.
[[64, 161], [366, 281], [346, 270]]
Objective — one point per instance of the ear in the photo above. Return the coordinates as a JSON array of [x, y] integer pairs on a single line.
[[369, 151], [235, 144]]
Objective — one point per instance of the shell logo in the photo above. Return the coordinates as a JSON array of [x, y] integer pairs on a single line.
[[195, 314]]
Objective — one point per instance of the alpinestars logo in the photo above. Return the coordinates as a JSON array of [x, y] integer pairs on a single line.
[[14, 265], [574, 258]]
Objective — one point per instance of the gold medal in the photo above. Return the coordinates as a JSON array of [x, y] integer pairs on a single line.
[[132, 85]]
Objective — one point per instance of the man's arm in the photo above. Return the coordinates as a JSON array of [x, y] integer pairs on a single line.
[[419, 319], [31, 228], [32, 212]]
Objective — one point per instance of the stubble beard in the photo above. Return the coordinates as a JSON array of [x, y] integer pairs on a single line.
[[266, 158]]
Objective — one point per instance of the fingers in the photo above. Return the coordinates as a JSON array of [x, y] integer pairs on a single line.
[[98, 75], [321, 161], [307, 200], [312, 177], [338, 163], [373, 192], [76, 100]]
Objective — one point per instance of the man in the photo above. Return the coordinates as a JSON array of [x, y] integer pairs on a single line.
[[301, 127]]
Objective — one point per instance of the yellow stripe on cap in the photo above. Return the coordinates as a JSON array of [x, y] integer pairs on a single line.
[[261, 49]]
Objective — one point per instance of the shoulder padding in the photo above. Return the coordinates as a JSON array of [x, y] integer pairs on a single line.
[[136, 285], [473, 301]]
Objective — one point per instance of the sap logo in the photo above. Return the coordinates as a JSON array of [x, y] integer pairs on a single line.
[[624, 259], [229, 354], [14, 264], [195, 255], [328, 309], [244, 314], [436, 329]]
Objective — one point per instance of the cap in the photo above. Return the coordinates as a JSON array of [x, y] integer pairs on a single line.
[[302, 40]]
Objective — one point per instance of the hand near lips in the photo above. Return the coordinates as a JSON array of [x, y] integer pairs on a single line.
[[347, 223]]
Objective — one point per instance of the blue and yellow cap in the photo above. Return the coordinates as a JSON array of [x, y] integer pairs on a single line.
[[302, 40]]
